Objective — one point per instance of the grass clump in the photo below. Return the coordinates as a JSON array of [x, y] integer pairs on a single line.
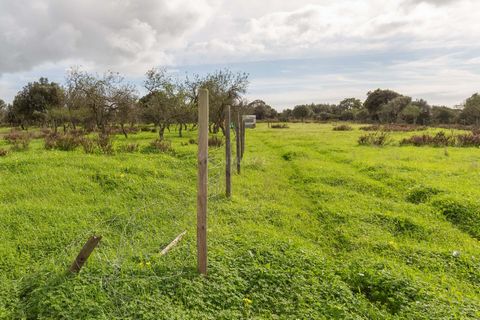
[[378, 138], [3, 152], [215, 142], [343, 127], [279, 126], [129, 147], [105, 143], [421, 194], [159, 145], [382, 287], [461, 213], [88, 145]]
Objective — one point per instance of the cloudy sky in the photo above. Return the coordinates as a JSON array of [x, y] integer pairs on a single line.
[[295, 51]]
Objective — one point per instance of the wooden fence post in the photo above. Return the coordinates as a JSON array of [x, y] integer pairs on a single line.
[[238, 142], [228, 154], [242, 126], [83, 255], [202, 181]]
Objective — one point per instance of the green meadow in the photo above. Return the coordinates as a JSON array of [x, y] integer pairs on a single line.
[[318, 227]]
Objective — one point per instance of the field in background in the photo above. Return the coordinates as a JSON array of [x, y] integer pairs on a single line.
[[317, 227]]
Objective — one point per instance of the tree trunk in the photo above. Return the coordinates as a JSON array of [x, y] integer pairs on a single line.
[[180, 130], [123, 130], [161, 132]]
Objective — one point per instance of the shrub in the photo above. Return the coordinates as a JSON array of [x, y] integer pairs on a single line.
[[19, 140], [215, 142], [468, 140], [64, 142], [343, 127], [279, 126], [375, 127], [192, 141], [403, 127], [3, 152], [87, 144], [379, 138], [77, 132], [161, 145], [438, 140], [145, 129], [130, 147], [105, 143]]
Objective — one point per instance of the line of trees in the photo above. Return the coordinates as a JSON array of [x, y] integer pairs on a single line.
[[100, 102], [387, 106], [97, 102]]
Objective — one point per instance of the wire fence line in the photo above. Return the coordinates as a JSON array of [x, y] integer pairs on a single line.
[[125, 244]]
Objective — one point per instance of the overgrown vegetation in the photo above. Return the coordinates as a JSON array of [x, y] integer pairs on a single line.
[[378, 138], [279, 126], [342, 127], [317, 228]]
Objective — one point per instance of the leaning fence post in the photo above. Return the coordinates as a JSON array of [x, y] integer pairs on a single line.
[[202, 181], [83, 255], [228, 154]]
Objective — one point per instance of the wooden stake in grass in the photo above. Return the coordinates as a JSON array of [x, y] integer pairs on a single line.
[[228, 154], [202, 181], [84, 254], [173, 243], [242, 136], [238, 142]]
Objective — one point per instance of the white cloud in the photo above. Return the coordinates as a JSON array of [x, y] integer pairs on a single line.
[[130, 36], [126, 35]]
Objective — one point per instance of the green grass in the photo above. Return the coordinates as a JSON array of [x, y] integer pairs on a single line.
[[318, 227]]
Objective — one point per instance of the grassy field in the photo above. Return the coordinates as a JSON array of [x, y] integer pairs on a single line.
[[318, 227]]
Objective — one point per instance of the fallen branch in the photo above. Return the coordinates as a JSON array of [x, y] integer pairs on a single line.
[[173, 243], [84, 254]]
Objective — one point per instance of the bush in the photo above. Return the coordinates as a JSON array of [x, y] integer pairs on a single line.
[[279, 126], [131, 147], [438, 140], [3, 152], [87, 144], [403, 127], [215, 142], [105, 143], [379, 138], [63, 142], [192, 141], [19, 140], [343, 127], [375, 127], [161, 145], [468, 140]]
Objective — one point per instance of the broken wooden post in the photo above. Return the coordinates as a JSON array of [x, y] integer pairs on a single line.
[[228, 154], [202, 181], [173, 243], [84, 254]]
